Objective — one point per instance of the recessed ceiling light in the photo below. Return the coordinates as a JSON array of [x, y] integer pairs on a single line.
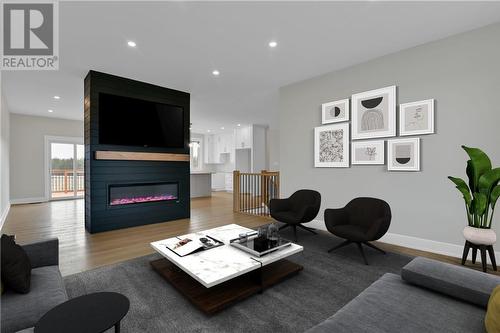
[[238, 125], [57, 97], [216, 73], [273, 44], [131, 43], [50, 110], [208, 131], [222, 128]]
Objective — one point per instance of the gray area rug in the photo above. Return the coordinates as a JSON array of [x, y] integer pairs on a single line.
[[328, 282]]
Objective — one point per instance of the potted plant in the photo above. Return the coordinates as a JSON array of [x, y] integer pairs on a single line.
[[480, 196]]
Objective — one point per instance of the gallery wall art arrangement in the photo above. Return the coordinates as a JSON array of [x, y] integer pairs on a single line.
[[373, 116]]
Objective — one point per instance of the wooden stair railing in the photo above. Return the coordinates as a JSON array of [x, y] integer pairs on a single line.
[[253, 191]]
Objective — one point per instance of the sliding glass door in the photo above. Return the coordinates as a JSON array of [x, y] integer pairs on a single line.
[[66, 170]]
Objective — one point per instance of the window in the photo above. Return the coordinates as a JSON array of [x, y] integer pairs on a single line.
[[195, 153], [66, 163]]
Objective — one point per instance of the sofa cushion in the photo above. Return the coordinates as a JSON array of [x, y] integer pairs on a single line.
[[392, 305], [16, 266], [43, 253], [20, 311], [456, 281]]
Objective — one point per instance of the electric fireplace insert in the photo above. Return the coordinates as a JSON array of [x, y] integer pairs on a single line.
[[127, 194]]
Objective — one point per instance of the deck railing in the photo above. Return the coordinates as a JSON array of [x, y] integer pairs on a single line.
[[253, 191], [62, 181]]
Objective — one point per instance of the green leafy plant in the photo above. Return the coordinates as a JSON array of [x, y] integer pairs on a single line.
[[483, 190]]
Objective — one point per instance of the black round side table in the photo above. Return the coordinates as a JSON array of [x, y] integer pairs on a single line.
[[92, 313]]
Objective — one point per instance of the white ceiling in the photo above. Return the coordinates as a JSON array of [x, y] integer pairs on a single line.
[[180, 43]]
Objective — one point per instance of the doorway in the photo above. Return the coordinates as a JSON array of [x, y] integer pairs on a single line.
[[66, 177]]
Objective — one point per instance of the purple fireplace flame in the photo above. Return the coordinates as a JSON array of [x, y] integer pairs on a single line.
[[141, 193], [126, 201]]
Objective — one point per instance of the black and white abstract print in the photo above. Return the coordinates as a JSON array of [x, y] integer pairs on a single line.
[[404, 154], [331, 147], [374, 113], [334, 112]]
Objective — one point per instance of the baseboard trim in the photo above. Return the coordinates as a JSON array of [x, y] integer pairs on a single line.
[[27, 200], [447, 249], [3, 217]]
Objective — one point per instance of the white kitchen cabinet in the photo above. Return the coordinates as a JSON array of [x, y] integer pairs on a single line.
[[227, 147], [218, 143], [222, 143], [216, 146], [245, 149], [212, 155], [218, 181], [222, 181], [230, 146], [206, 148], [210, 150], [244, 137]]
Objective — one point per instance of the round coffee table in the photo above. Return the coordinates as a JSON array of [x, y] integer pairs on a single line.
[[95, 312]]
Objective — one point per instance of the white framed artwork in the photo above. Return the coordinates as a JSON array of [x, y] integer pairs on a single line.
[[331, 146], [403, 154], [334, 112], [374, 113], [416, 118], [367, 152]]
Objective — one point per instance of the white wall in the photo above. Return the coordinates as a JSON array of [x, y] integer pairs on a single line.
[[27, 153], [260, 154], [462, 73], [273, 149], [4, 158]]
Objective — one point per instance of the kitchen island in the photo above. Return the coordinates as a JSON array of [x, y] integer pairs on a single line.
[[201, 184]]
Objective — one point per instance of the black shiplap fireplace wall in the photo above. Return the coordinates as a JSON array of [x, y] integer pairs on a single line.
[[100, 174]]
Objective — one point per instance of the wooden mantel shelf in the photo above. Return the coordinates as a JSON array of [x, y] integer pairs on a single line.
[[139, 156]]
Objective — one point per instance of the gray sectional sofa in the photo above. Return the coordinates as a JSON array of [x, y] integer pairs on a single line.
[[429, 296], [21, 311]]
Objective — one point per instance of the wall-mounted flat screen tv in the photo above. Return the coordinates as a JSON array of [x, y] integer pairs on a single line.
[[129, 121]]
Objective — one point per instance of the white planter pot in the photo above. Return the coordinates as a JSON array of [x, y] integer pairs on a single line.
[[480, 236]]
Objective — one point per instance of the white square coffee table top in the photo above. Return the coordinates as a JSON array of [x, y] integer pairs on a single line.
[[222, 263]]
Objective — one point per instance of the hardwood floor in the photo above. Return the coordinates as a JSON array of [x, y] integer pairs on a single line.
[[80, 251]]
